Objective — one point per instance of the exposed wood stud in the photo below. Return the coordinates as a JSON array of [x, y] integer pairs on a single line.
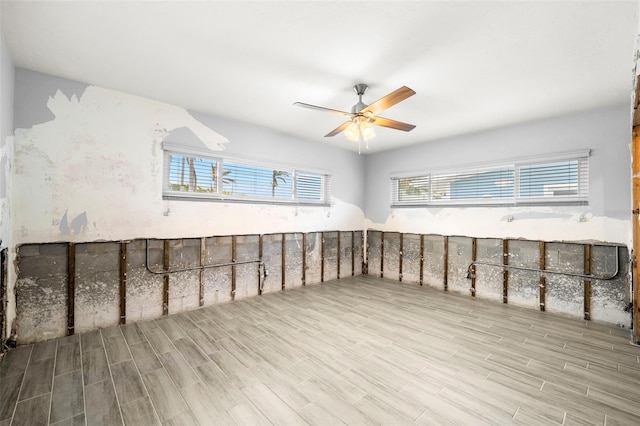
[[322, 257], [283, 263], [166, 263], [400, 256], [233, 267], [474, 249], [543, 279], [260, 252], [123, 283], [364, 249], [445, 266], [505, 271], [381, 254], [339, 256], [203, 255], [421, 258], [587, 282], [353, 253], [71, 288], [304, 259]]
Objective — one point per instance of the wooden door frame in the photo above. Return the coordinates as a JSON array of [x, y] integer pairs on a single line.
[[635, 216]]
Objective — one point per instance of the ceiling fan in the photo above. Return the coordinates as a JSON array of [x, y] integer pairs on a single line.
[[362, 116]]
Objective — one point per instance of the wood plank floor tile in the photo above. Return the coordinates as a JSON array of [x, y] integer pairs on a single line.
[[68, 358], [238, 373], [317, 416], [179, 370], [133, 334], [68, 396], [116, 348], [78, 420], [206, 343], [9, 390], [185, 418], [37, 378], [101, 404], [139, 413], [44, 350], [91, 340], [159, 341], [171, 328], [144, 357], [227, 395], [247, 414], [127, 382], [15, 361], [165, 396], [191, 352], [198, 398], [271, 405], [33, 412], [95, 367]]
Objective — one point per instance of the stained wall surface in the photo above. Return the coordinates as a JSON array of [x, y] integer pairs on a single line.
[[510, 271]]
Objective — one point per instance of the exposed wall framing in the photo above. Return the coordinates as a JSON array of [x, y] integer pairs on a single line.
[[589, 281], [66, 288]]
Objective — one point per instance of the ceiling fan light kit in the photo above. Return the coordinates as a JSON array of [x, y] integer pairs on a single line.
[[362, 117]]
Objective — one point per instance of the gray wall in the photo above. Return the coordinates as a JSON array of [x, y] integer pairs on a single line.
[[255, 142], [607, 132]]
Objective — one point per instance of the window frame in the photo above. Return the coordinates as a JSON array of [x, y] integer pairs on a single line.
[[581, 198], [220, 196]]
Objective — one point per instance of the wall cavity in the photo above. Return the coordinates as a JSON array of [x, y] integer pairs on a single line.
[[67, 288], [581, 280]]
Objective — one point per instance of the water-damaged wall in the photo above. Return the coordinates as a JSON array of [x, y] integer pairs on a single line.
[[66, 288], [582, 280], [89, 166]]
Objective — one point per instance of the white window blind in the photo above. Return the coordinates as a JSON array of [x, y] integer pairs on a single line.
[[532, 181], [188, 176]]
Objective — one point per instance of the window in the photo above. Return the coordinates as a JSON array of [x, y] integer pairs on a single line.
[[561, 179], [198, 176]]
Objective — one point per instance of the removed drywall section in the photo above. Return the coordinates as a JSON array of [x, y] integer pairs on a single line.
[[97, 286], [510, 271], [143, 289], [606, 132], [489, 280], [67, 288], [41, 292]]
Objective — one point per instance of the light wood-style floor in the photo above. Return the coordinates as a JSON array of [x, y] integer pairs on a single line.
[[356, 351]]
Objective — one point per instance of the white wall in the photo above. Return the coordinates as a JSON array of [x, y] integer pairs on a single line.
[[606, 132]]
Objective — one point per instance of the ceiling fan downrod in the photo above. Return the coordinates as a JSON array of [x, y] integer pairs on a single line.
[[359, 89]]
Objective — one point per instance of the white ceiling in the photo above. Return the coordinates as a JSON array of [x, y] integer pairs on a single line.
[[474, 65]]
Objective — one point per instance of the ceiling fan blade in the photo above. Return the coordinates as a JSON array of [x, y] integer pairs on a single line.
[[393, 124], [390, 100], [338, 129], [319, 108]]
